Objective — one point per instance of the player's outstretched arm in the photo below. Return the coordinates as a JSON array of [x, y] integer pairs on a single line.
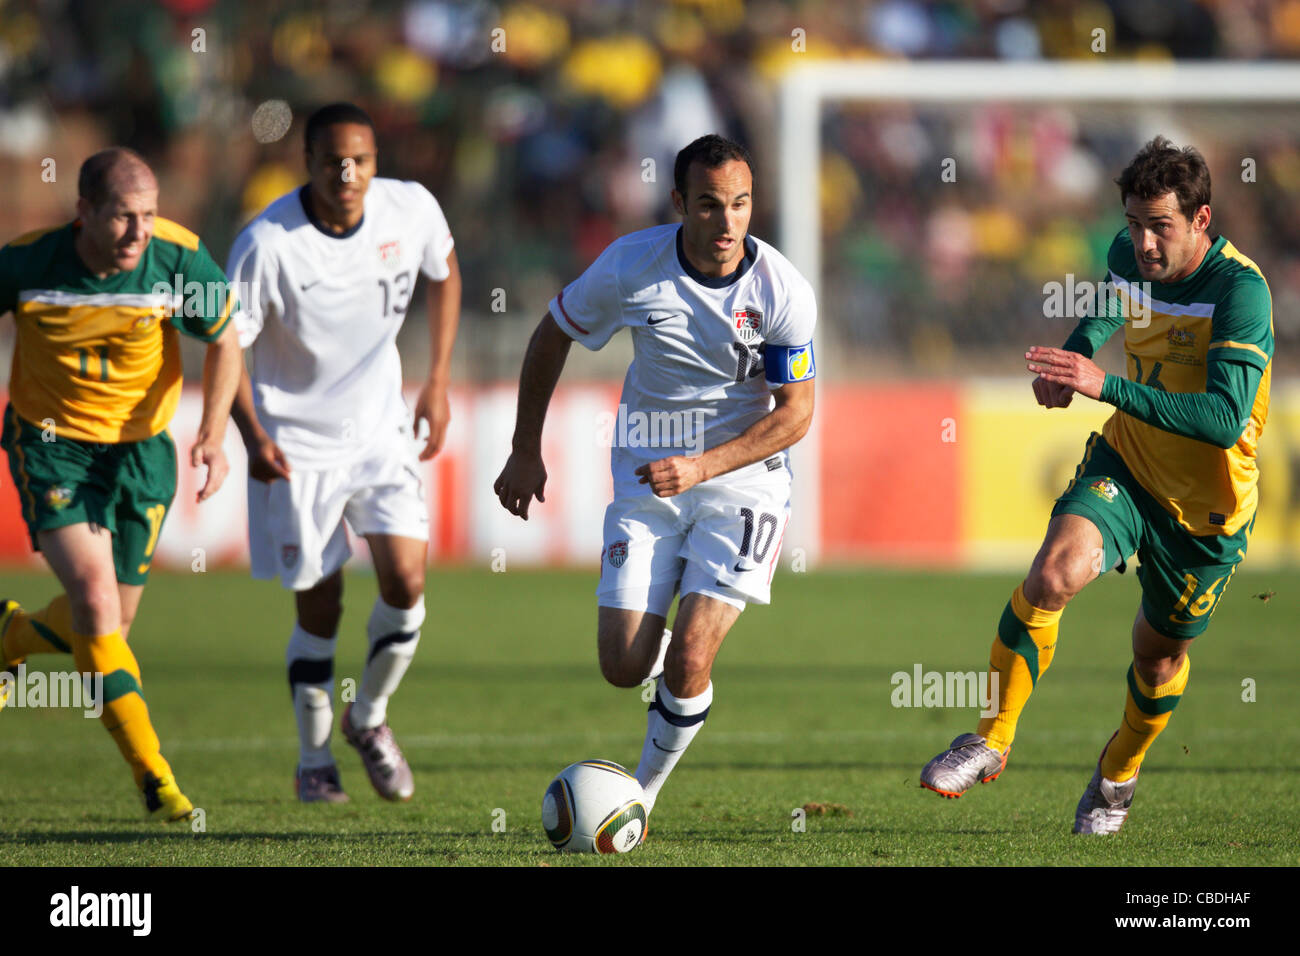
[[524, 475], [221, 367], [1217, 416], [444, 318], [266, 462], [780, 428]]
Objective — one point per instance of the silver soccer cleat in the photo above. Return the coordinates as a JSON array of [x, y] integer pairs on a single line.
[[968, 761], [388, 770], [1103, 808]]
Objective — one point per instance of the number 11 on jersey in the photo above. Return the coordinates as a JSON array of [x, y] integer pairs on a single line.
[[102, 352]]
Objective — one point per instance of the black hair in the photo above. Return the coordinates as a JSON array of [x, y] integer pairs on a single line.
[[332, 114], [1160, 168], [711, 151]]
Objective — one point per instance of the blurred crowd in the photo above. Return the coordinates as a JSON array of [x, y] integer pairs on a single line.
[[548, 129]]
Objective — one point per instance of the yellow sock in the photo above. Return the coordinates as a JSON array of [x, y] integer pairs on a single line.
[[1147, 711], [125, 715], [1021, 654], [47, 631]]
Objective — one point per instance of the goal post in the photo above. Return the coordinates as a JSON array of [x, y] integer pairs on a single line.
[[806, 89]]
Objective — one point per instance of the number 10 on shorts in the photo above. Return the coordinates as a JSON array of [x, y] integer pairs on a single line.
[[758, 534]]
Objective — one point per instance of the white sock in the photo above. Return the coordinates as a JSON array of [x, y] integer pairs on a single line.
[[657, 668], [310, 660], [672, 724], [394, 633]]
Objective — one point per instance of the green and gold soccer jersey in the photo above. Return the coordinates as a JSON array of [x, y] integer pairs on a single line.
[[100, 358], [1211, 332]]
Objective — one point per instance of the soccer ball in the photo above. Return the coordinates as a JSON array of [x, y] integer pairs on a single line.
[[594, 806]]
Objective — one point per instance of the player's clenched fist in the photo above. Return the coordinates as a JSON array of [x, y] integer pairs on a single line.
[[1052, 395], [266, 462], [671, 476], [523, 477]]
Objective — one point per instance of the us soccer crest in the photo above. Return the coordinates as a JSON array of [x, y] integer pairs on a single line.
[[390, 253], [289, 555], [618, 553], [749, 324]]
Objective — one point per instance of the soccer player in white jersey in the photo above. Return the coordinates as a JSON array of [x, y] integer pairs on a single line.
[[327, 273], [720, 386]]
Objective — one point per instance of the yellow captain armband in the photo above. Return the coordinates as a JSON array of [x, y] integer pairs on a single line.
[[784, 364]]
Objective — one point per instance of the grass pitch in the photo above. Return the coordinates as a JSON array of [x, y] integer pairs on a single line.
[[505, 691]]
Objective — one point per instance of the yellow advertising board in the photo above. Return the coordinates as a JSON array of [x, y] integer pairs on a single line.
[[1016, 457]]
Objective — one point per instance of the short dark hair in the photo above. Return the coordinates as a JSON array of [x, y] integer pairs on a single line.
[[93, 181], [711, 151], [1159, 168], [332, 114]]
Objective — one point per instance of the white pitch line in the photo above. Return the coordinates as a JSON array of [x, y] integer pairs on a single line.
[[471, 741]]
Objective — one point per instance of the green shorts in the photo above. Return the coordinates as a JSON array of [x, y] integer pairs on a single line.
[[1182, 575], [125, 487]]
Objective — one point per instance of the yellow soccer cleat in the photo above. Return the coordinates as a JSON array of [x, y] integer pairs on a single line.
[[163, 800], [7, 608], [8, 669]]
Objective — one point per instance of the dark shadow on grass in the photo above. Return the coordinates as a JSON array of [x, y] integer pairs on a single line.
[[37, 837], [930, 831]]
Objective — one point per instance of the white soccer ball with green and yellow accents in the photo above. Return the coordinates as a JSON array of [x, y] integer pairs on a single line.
[[594, 806]]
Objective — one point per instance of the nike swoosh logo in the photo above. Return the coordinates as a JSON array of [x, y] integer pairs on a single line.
[[307, 285], [740, 568], [665, 749], [659, 321]]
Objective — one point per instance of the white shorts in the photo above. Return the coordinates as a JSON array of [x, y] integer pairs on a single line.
[[721, 539], [295, 527]]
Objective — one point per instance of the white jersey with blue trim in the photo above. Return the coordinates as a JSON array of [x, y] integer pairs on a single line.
[[697, 377], [320, 312]]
